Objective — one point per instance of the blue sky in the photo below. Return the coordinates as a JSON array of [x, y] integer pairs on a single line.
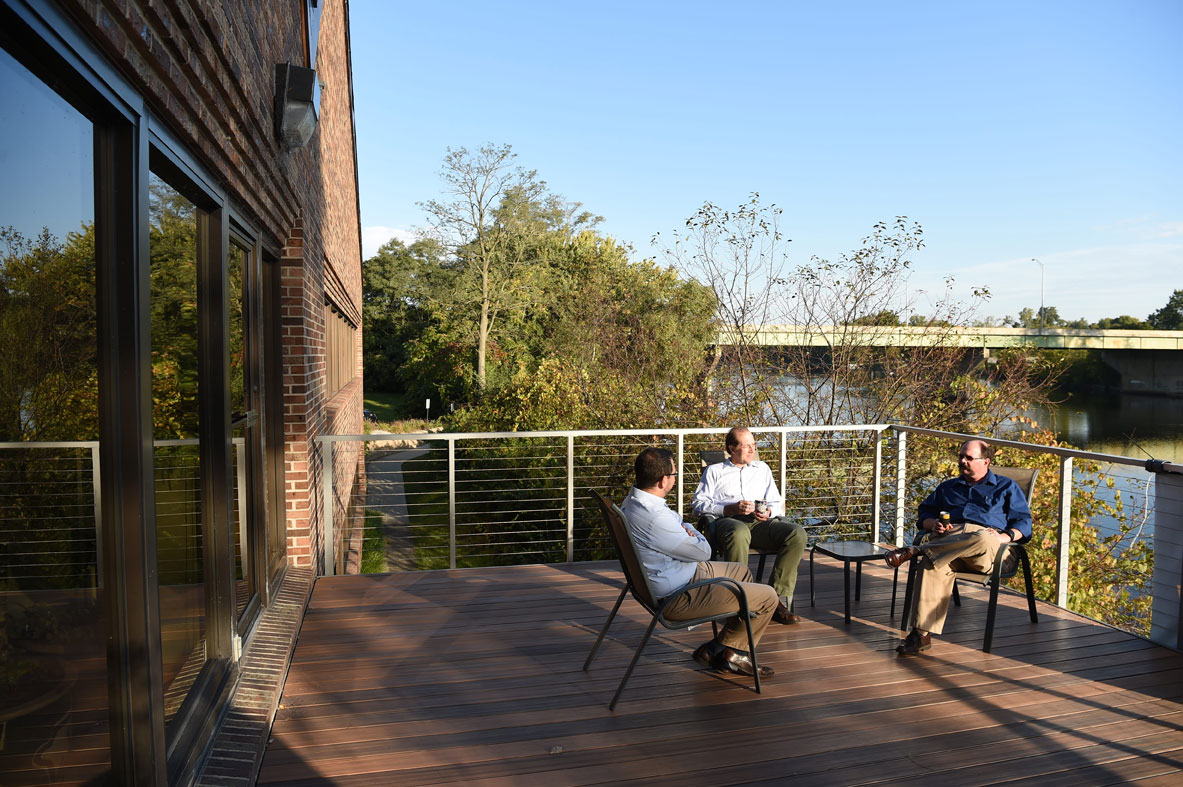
[[1010, 131]]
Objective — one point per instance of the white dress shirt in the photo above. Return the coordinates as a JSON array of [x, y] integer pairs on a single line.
[[726, 483], [668, 552]]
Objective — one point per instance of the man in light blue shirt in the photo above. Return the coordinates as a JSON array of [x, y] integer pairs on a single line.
[[741, 498], [674, 554]]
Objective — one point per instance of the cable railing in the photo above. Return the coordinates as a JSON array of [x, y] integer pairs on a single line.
[[444, 500], [465, 500], [51, 514]]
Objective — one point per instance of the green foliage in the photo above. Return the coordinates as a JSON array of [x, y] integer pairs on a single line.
[[373, 547], [882, 317], [1170, 316], [397, 286], [48, 372], [1125, 323]]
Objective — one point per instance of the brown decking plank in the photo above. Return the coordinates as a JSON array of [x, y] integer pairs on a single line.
[[365, 705], [751, 724]]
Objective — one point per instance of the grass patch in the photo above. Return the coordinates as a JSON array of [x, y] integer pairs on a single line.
[[373, 545], [392, 413]]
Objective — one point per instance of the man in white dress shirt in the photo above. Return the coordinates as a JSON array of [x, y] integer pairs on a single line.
[[674, 554], [728, 495]]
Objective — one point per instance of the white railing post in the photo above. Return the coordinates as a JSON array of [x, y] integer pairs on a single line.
[[570, 498], [878, 488], [451, 504], [326, 474], [681, 477], [1064, 531], [901, 467], [784, 455]]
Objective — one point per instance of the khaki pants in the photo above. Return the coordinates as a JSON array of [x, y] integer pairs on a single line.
[[968, 547], [713, 599]]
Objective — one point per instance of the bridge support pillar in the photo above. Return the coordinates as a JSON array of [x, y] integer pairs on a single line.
[[1148, 371]]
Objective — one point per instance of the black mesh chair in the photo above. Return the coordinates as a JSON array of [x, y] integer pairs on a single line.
[[1002, 570], [637, 583], [705, 523]]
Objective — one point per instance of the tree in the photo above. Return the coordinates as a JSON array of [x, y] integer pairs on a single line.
[[882, 317], [48, 369], [1170, 316], [488, 221], [397, 285], [843, 311], [1124, 322]]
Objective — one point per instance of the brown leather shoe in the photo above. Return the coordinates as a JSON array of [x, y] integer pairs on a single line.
[[897, 557], [783, 616], [706, 653], [915, 643], [729, 660]]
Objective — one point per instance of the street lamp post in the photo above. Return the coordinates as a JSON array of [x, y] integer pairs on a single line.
[[1041, 317]]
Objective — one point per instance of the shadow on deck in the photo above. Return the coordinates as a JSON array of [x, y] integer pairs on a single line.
[[475, 676]]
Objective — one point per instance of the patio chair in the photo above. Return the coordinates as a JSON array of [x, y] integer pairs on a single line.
[[1002, 570], [706, 524], [637, 583]]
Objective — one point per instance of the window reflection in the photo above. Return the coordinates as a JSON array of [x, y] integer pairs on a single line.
[[179, 541], [53, 674]]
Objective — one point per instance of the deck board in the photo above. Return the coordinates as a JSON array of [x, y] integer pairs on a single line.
[[474, 676]]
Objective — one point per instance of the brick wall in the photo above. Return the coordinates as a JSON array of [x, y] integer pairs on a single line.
[[207, 70]]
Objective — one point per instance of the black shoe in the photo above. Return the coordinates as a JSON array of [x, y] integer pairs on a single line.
[[783, 616], [915, 643], [730, 660], [706, 653], [897, 557]]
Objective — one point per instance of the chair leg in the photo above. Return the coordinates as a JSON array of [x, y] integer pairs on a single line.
[[747, 622], [956, 595], [895, 580], [760, 570], [636, 657], [604, 630], [991, 611], [907, 613], [1030, 585]]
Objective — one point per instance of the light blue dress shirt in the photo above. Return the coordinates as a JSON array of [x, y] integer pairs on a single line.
[[668, 552]]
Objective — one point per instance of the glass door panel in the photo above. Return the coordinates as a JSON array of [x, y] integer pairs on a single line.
[[179, 533], [53, 668], [246, 428]]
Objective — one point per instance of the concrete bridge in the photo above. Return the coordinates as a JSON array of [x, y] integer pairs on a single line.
[[1148, 361]]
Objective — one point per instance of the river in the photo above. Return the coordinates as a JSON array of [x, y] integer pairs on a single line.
[[1143, 427]]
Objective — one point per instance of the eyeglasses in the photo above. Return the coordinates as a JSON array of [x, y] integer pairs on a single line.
[[970, 458], [667, 475]]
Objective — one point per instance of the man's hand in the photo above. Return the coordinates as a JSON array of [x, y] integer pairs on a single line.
[[936, 527], [1003, 536], [762, 516], [739, 508], [690, 531]]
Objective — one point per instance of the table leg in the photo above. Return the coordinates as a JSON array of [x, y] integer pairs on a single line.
[[846, 583], [858, 580], [811, 577]]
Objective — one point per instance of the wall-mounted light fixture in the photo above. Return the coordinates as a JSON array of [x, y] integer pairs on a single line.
[[295, 112]]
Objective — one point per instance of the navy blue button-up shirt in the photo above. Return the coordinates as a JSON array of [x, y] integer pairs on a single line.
[[995, 501]]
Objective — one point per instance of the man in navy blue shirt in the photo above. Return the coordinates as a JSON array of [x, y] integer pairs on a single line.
[[986, 511]]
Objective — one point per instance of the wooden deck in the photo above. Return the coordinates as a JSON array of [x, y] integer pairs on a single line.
[[474, 676]]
